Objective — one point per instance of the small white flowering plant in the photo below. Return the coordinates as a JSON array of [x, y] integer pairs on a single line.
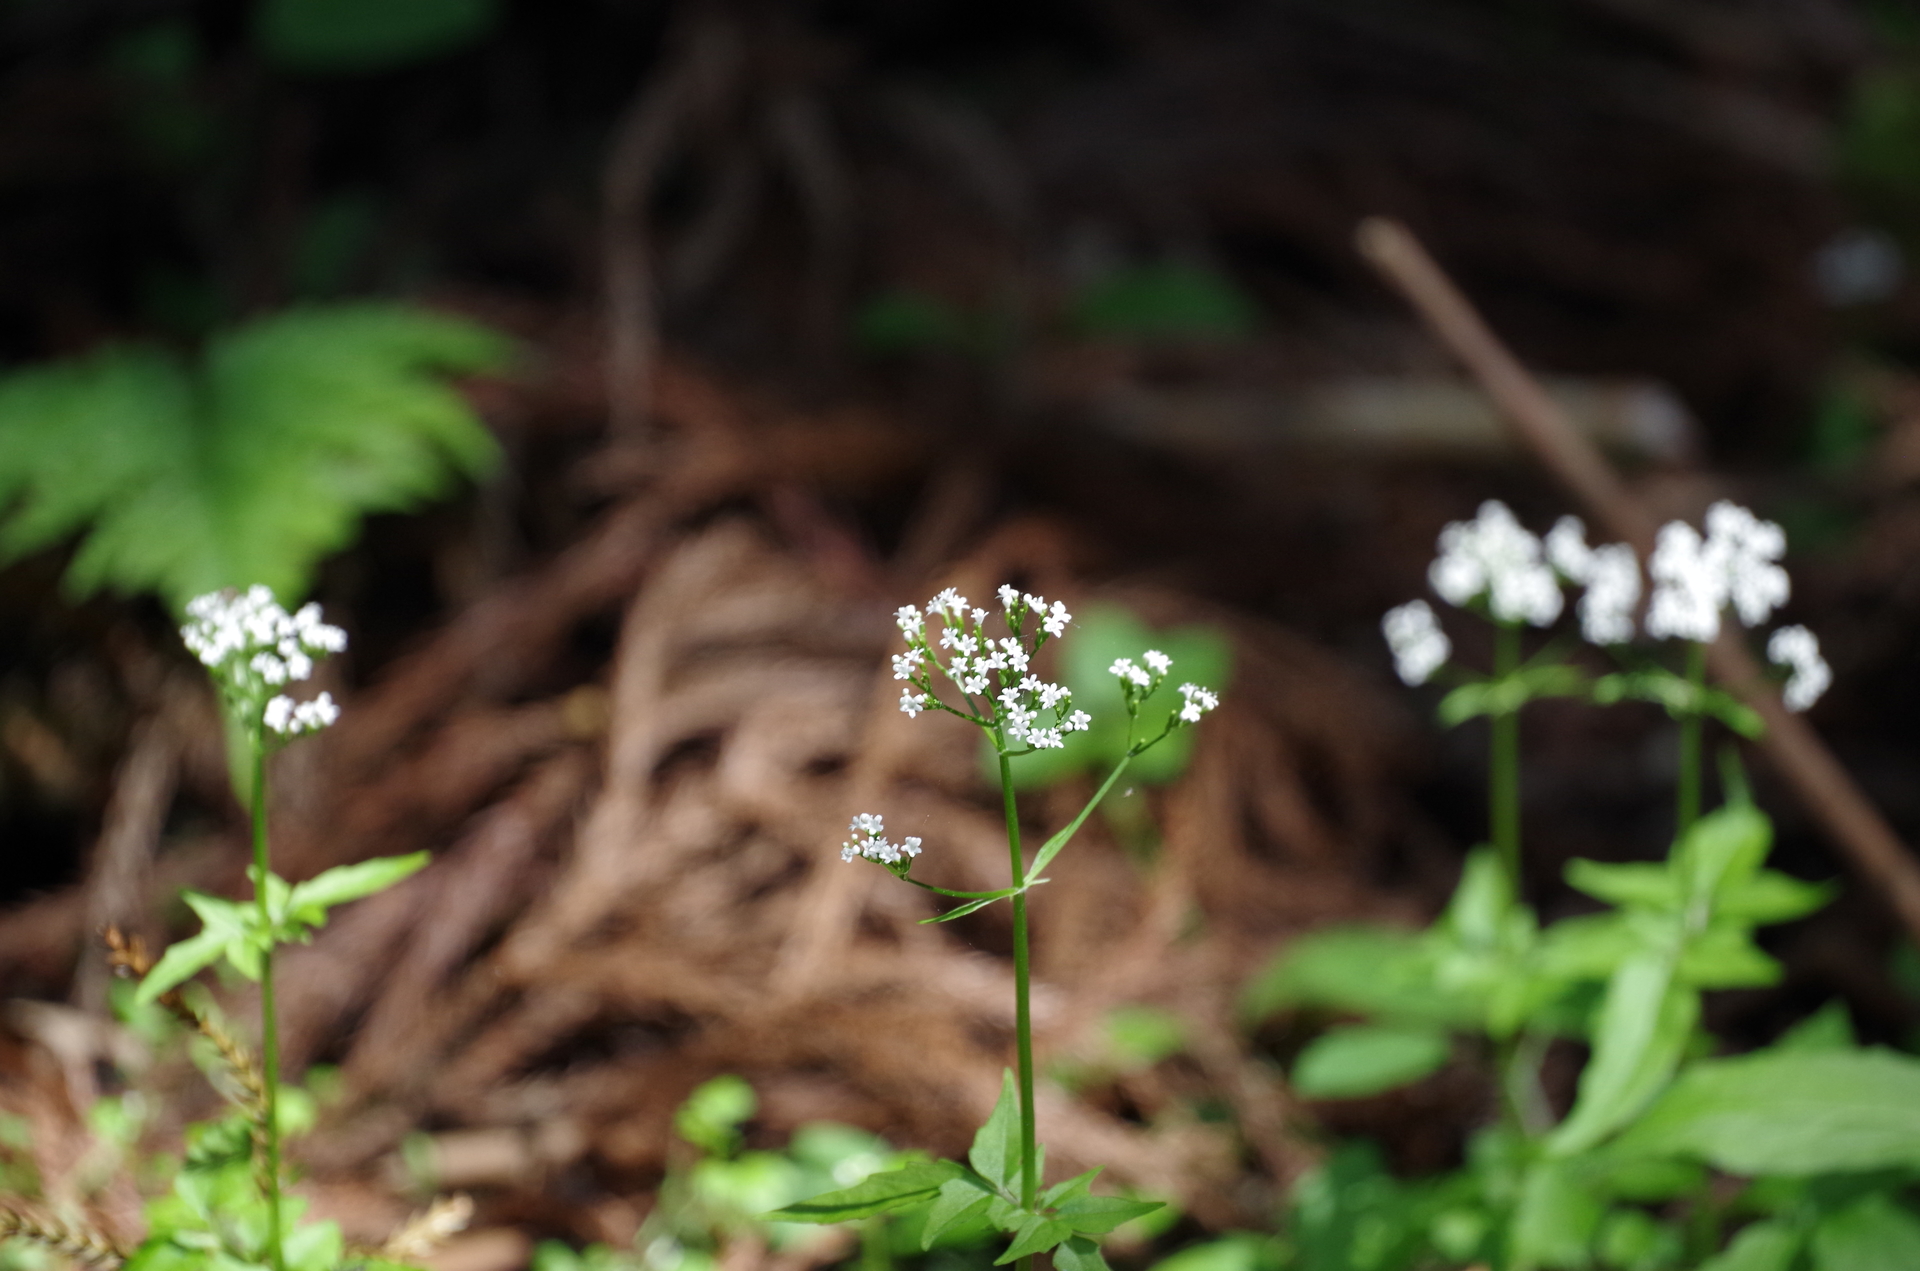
[[228, 1209], [1620, 1179], [980, 665]]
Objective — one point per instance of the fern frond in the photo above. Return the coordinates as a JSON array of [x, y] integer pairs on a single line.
[[77, 1243], [248, 467]]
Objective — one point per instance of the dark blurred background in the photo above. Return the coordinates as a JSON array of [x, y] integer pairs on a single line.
[[917, 290]]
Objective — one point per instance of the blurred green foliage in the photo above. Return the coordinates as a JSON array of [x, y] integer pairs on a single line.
[[247, 464], [1169, 300], [356, 36]]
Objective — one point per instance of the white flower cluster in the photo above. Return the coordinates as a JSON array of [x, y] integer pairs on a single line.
[[869, 839], [1493, 556], [1029, 710], [1798, 649], [252, 646], [1139, 682], [1611, 575], [1694, 578], [1419, 646]]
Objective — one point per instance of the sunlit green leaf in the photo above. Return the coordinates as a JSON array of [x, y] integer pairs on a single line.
[[1365, 1059], [996, 1153], [894, 1189]]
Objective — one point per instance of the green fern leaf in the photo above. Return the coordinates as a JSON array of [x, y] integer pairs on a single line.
[[248, 467]]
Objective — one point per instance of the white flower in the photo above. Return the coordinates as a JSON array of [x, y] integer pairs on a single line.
[[1747, 548], [979, 616], [1009, 596], [252, 646], [1056, 621], [909, 620], [1199, 702], [1695, 578], [291, 719], [1689, 587], [869, 840], [1419, 646], [1613, 592], [1078, 722], [912, 703], [1492, 555], [1799, 649], [1125, 670], [1157, 661], [907, 665], [949, 604], [1610, 574]]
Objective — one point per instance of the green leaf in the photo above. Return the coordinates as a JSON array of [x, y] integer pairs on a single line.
[[248, 466], [1769, 897], [1509, 693], [1723, 848], [1558, 1214], [1792, 1113], [711, 1116], [1639, 883], [1168, 300], [1872, 1234], [962, 910], [960, 1199], [895, 1189], [1365, 1059], [1763, 1246], [180, 963], [1069, 1189], [1643, 1029], [346, 36], [1038, 1234], [310, 900], [996, 1148], [1827, 1029], [1080, 1254], [1380, 971], [1725, 957], [1097, 1215]]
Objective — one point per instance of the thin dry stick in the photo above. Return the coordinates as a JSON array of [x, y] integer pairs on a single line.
[[1850, 820]]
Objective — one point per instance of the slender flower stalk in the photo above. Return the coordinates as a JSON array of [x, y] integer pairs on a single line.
[[252, 647], [1503, 760], [1019, 713]]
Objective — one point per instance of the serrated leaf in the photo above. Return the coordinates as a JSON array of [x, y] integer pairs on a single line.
[[1097, 1215], [996, 1153], [894, 1189], [1038, 1234], [1078, 1253], [1364, 1059], [248, 466], [180, 963], [309, 901], [1792, 1113], [960, 1198]]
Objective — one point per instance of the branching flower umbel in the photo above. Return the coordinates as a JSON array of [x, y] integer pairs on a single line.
[[870, 840], [1694, 578], [252, 646], [991, 672]]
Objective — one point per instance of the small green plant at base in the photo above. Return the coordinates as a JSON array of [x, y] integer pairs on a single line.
[[1020, 714], [1626, 1179], [228, 1209]]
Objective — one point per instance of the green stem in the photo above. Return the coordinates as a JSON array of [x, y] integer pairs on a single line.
[[1022, 1003], [269, 1022], [1503, 762], [1687, 803]]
